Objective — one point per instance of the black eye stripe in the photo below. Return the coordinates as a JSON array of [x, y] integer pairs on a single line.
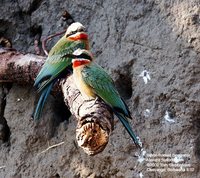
[[85, 56], [80, 30], [71, 33], [81, 56]]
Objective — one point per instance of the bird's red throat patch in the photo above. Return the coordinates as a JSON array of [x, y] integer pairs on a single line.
[[78, 63], [79, 36]]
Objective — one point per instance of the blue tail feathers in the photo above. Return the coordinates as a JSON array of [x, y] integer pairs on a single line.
[[126, 124], [43, 97]]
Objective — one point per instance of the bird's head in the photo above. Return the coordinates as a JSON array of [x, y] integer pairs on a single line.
[[81, 57], [76, 31]]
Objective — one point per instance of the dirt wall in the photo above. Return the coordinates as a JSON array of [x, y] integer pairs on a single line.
[[151, 49]]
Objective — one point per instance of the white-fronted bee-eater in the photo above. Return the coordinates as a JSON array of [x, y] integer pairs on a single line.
[[93, 82], [59, 62]]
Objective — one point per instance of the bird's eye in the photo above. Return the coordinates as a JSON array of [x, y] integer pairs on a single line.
[[85, 56], [81, 30], [71, 33]]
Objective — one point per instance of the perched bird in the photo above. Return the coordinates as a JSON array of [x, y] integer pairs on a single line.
[[93, 82], [58, 62]]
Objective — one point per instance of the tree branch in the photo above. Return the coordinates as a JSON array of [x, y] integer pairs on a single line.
[[19, 68], [94, 119]]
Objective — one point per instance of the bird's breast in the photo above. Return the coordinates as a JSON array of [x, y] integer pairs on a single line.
[[86, 91]]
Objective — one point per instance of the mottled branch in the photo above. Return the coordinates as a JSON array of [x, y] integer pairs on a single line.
[[94, 118], [19, 68]]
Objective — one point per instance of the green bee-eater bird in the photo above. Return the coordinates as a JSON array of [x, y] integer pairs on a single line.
[[58, 62], [93, 82]]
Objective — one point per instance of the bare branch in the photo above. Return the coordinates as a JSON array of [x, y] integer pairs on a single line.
[[19, 68]]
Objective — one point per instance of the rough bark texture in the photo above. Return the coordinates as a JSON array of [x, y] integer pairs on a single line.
[[95, 119], [19, 68], [127, 37]]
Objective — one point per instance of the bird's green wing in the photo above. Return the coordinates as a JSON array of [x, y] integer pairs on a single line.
[[94, 76], [97, 78], [55, 64]]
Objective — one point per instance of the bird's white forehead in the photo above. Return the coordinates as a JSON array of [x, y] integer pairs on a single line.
[[74, 26], [78, 51]]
